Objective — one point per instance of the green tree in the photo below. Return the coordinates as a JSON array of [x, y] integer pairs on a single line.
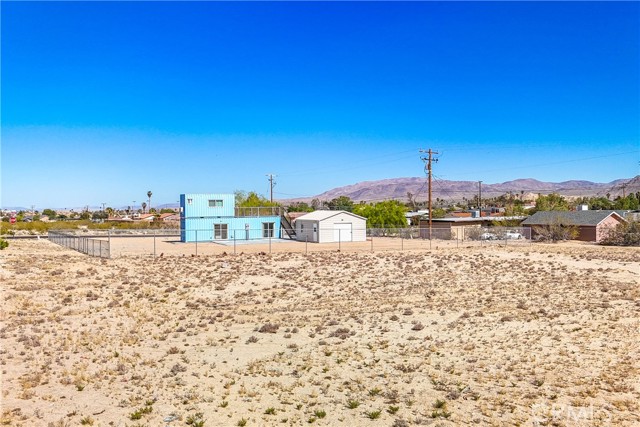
[[629, 202], [85, 215], [100, 215], [342, 203], [551, 202], [49, 212], [149, 194], [144, 207], [299, 207], [438, 213], [252, 200], [516, 208], [597, 203], [387, 214], [165, 210]]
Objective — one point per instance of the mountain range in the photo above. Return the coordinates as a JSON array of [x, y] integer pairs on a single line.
[[398, 188]]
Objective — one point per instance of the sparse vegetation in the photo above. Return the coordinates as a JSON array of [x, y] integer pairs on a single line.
[[373, 415], [135, 330], [196, 420]]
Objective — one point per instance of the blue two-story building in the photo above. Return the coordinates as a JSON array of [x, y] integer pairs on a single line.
[[211, 217]]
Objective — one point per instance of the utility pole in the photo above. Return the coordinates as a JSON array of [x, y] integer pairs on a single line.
[[103, 203], [428, 161], [271, 184], [624, 187], [480, 197]]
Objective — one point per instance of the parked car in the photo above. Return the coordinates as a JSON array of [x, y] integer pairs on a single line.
[[488, 236], [512, 235]]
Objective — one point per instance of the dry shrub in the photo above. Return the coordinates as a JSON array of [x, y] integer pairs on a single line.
[[556, 231], [269, 328], [623, 234]]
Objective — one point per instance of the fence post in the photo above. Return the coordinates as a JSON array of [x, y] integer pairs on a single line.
[[371, 242], [109, 240], [402, 243], [339, 240], [196, 242], [154, 243], [306, 245], [234, 242], [269, 243]]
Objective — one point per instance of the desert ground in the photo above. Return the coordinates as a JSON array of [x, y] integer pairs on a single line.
[[536, 334]]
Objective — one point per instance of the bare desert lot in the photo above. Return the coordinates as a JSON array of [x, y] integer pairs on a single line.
[[525, 335]]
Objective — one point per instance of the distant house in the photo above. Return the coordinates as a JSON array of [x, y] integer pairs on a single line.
[[331, 226], [170, 217], [119, 218], [592, 225], [445, 228], [145, 217]]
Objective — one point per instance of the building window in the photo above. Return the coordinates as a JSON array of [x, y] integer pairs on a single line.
[[189, 201], [215, 203], [267, 229], [220, 231]]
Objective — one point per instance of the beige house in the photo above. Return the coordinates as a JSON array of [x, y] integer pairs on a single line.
[[331, 226], [170, 217]]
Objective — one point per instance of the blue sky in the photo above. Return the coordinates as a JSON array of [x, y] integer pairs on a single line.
[[102, 101]]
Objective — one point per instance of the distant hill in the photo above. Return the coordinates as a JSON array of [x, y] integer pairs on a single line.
[[397, 188]]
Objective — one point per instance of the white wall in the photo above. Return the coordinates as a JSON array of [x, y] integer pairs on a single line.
[[358, 228], [304, 230]]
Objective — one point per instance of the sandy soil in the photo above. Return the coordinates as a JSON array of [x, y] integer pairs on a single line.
[[124, 246], [523, 335]]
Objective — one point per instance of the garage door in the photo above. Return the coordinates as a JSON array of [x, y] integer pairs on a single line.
[[342, 232]]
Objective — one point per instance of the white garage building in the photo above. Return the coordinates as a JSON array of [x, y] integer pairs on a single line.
[[331, 226]]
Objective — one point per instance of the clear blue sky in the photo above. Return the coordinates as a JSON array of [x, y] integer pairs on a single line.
[[102, 101]]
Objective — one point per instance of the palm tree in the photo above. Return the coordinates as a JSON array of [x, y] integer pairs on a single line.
[[149, 193], [144, 207]]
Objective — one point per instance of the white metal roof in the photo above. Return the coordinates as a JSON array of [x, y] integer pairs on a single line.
[[322, 215]]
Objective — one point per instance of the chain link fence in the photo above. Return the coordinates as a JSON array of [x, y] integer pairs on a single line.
[[161, 242], [87, 245], [203, 242]]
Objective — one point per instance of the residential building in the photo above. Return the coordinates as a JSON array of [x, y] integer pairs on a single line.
[[331, 226], [214, 216], [592, 226]]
